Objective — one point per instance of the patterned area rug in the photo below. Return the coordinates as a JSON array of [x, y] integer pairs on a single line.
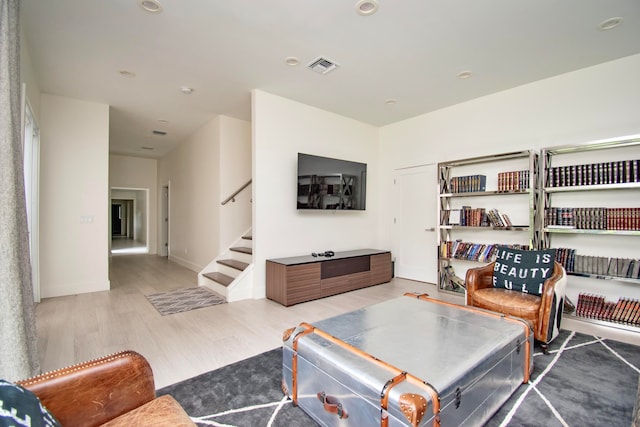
[[583, 381], [180, 300]]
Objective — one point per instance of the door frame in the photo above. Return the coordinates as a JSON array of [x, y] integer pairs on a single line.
[[147, 213], [165, 214]]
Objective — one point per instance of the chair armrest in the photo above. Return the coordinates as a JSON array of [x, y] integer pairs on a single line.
[[94, 392], [478, 278], [547, 303]]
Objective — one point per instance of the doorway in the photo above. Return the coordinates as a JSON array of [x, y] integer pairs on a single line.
[[129, 221]]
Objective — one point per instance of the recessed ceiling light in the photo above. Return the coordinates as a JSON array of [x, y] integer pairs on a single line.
[[610, 23], [158, 132], [147, 148], [163, 121], [152, 6], [464, 74], [367, 7], [292, 61], [186, 90], [391, 102], [127, 73]]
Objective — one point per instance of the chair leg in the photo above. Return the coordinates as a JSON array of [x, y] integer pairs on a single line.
[[544, 347]]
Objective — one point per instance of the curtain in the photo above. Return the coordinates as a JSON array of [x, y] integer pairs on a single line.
[[18, 345]]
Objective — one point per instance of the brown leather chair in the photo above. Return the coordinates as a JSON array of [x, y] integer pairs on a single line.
[[115, 390], [542, 312]]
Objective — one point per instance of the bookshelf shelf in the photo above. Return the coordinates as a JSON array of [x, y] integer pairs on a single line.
[[590, 191], [605, 277], [486, 228], [486, 182], [485, 193], [598, 187], [586, 231], [606, 323]]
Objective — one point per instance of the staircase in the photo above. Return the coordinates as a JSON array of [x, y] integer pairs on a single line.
[[231, 274]]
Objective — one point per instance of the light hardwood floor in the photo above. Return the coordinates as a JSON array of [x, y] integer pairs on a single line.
[[76, 328]]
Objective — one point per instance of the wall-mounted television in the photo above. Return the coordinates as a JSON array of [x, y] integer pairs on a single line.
[[326, 183]]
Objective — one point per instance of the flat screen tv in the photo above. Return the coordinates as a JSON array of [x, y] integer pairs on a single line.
[[325, 183]]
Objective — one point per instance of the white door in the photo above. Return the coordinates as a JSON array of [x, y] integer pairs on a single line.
[[415, 237]]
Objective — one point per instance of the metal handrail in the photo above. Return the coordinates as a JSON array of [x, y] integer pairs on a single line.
[[232, 197]]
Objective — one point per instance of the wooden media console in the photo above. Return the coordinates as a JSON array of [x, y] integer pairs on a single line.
[[304, 278]]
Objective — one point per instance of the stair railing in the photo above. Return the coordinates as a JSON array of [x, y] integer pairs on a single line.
[[232, 198]]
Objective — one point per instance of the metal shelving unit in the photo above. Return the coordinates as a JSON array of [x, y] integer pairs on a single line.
[[527, 160], [617, 191]]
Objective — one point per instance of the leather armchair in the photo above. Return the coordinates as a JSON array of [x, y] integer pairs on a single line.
[[543, 313], [115, 390]]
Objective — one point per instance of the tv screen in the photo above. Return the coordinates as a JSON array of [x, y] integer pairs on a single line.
[[325, 183]]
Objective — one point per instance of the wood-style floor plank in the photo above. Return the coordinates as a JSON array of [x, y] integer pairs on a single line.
[[76, 328]]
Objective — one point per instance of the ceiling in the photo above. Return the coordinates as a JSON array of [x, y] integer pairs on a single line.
[[409, 51]]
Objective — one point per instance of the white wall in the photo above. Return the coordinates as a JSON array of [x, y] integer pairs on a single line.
[[74, 196], [201, 172], [235, 171], [281, 129], [191, 170], [138, 173], [586, 105]]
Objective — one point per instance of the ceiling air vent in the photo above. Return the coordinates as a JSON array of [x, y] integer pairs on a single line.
[[159, 132], [322, 65]]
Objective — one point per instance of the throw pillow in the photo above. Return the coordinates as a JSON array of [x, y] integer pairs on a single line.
[[20, 407], [521, 270]]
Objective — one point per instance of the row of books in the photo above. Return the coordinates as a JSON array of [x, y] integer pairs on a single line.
[[469, 251], [617, 172], [597, 218], [598, 265], [513, 181], [625, 310], [468, 184], [475, 217]]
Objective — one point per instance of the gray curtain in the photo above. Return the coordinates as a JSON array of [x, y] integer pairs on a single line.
[[18, 346]]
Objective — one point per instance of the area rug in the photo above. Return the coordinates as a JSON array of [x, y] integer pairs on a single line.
[[184, 299], [583, 381]]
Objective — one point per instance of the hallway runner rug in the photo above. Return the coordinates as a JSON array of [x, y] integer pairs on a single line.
[[185, 299], [583, 381]]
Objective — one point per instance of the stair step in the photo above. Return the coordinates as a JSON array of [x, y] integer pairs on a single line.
[[238, 265], [244, 250], [223, 279], [248, 237]]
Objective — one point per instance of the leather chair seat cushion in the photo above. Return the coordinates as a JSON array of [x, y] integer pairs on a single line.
[[163, 411], [514, 303]]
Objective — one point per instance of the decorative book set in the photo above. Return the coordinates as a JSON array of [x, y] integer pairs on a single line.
[[625, 311], [513, 181], [617, 172], [598, 265], [475, 217], [474, 251], [507, 181], [596, 218], [468, 184]]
